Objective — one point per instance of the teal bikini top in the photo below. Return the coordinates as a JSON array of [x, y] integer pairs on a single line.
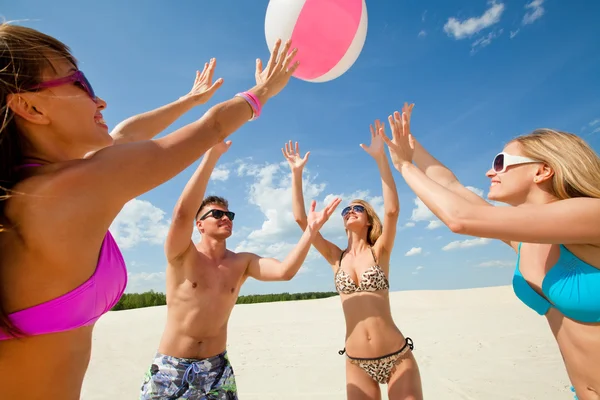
[[571, 286]]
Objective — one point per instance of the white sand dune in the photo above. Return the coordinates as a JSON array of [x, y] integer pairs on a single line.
[[475, 344]]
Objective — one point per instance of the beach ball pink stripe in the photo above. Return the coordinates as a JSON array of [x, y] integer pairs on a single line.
[[314, 24]]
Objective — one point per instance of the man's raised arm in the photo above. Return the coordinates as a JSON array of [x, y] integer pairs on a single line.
[[179, 238]]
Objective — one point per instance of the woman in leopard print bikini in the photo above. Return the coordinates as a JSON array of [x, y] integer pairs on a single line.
[[380, 354]]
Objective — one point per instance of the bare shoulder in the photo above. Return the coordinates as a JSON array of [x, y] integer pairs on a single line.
[[244, 257]]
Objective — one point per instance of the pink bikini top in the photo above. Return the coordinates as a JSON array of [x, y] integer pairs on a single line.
[[83, 305]]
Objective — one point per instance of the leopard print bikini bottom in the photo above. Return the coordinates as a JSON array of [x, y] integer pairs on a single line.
[[380, 368]]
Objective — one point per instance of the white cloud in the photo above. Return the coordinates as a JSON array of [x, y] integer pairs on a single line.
[[139, 221], [434, 224], [464, 244], [422, 33], [409, 224], [496, 263], [593, 123], [271, 192], [536, 11], [514, 33], [414, 251], [484, 41], [468, 27], [416, 271], [220, 174], [140, 282]]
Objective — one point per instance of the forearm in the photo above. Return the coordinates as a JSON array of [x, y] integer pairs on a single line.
[[391, 203], [294, 260], [156, 161], [149, 124], [194, 190], [433, 168], [298, 199], [445, 204]]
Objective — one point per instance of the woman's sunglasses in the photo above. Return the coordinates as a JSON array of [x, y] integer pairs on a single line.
[[503, 160], [77, 78], [356, 208], [218, 214]]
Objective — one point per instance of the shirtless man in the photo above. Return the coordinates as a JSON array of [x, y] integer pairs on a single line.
[[203, 282]]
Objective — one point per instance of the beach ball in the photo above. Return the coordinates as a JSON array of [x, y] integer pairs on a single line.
[[329, 34]]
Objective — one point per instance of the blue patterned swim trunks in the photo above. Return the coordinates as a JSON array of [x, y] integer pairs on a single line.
[[171, 378]]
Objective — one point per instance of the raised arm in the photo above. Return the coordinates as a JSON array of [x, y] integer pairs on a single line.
[[437, 171], [431, 167], [571, 221], [391, 204], [149, 124], [117, 174], [328, 250], [270, 269], [181, 228]]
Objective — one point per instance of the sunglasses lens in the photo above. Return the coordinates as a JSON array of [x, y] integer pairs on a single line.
[[345, 211], [87, 85], [359, 209], [230, 215], [218, 214], [499, 162]]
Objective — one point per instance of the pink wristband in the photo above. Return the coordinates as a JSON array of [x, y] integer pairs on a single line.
[[256, 101], [253, 102]]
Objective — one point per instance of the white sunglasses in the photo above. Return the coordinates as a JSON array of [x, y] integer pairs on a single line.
[[505, 160]]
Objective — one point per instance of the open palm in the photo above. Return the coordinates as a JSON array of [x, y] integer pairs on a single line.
[[293, 156], [203, 87], [402, 144], [316, 219], [375, 149]]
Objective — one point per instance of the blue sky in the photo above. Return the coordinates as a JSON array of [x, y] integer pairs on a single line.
[[479, 73]]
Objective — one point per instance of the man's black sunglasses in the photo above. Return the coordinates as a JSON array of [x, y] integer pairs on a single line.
[[218, 214]]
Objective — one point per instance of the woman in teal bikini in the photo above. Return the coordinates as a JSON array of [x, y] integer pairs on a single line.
[[552, 181]]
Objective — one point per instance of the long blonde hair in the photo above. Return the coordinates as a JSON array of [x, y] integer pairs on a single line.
[[575, 164], [375, 225]]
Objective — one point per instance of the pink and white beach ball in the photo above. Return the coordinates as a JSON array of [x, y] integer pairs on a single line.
[[329, 34]]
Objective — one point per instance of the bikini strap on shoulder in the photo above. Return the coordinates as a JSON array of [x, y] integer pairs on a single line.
[[373, 254]]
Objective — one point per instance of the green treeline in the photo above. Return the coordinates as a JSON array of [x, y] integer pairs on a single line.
[[150, 299]]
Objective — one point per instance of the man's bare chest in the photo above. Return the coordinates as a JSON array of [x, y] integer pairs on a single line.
[[205, 276]]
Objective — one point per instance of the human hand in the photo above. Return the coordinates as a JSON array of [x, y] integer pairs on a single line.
[[278, 71], [375, 149], [402, 145], [220, 148], [203, 88], [292, 156], [315, 220]]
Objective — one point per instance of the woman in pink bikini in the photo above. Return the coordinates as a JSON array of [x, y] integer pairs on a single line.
[[377, 353], [63, 180]]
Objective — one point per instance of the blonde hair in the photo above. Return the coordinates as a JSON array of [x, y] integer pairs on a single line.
[[575, 164], [375, 225]]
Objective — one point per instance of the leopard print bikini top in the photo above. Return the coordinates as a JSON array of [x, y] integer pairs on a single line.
[[371, 280]]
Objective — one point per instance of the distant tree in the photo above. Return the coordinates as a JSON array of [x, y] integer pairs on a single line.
[[131, 301]]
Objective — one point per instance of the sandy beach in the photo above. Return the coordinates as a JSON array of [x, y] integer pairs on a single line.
[[470, 344]]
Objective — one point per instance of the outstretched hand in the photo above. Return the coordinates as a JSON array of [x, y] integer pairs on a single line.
[[375, 149], [278, 70], [402, 144], [293, 156], [316, 219], [203, 88]]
